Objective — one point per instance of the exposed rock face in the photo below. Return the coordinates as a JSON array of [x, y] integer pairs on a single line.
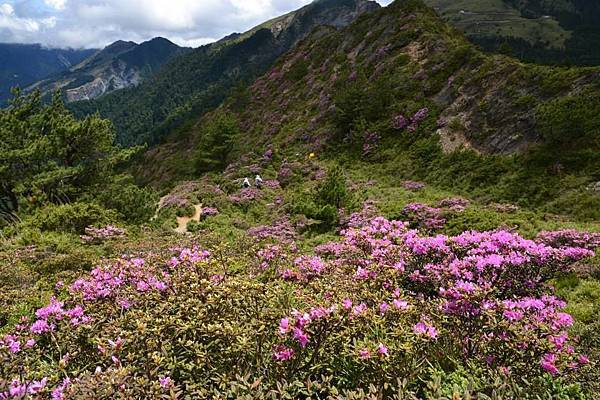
[[117, 76], [388, 64], [118, 66]]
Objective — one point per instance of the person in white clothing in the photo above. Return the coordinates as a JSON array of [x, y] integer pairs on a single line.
[[246, 183], [258, 181]]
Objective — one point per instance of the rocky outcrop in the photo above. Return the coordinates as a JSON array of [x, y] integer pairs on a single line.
[[117, 76], [118, 66]]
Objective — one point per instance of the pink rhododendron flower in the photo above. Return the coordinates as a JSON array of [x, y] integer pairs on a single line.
[[548, 364], [40, 326], [359, 309], [382, 350], [284, 326], [423, 328], [37, 386], [283, 353], [301, 337], [384, 307], [17, 390], [347, 303], [583, 359], [365, 354], [165, 382], [400, 304]]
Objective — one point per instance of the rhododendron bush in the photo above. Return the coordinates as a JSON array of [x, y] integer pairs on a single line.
[[379, 310]]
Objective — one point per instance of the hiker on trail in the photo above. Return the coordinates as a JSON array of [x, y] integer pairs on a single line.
[[246, 183], [258, 181]]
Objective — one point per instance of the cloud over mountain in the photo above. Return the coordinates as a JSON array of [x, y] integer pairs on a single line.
[[95, 23]]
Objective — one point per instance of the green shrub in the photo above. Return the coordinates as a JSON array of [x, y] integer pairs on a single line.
[[71, 218], [134, 204], [333, 190], [216, 142]]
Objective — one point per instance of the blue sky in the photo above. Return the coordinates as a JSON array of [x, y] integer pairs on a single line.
[[96, 23]]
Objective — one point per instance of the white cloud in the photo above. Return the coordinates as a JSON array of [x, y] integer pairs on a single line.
[[96, 23], [56, 4], [22, 28], [6, 9]]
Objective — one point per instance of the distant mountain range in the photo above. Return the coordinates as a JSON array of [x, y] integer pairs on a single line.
[[22, 65], [199, 80], [118, 66], [553, 32]]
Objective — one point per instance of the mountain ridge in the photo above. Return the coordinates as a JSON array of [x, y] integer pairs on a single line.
[[24, 64], [201, 79], [398, 87], [120, 65], [550, 32]]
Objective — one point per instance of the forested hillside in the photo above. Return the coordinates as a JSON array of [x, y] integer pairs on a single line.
[[199, 81], [487, 124], [552, 32], [21, 65]]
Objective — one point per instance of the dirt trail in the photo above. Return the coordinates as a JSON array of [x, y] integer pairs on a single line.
[[182, 222]]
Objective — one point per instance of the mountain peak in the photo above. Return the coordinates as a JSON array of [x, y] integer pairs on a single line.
[[122, 64], [120, 44], [160, 39]]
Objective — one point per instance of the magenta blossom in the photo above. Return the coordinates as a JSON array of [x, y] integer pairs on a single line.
[[165, 382]]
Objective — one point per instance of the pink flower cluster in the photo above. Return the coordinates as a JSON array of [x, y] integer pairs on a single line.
[[116, 279], [456, 204], [298, 322], [174, 201], [285, 173], [98, 235], [495, 278], [268, 155], [413, 186], [296, 327], [271, 255], [411, 124], [570, 238], [425, 328], [282, 231], [209, 211], [360, 218], [245, 196], [46, 321], [424, 217], [272, 184], [306, 268], [371, 143], [21, 390]]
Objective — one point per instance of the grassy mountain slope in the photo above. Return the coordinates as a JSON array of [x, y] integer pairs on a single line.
[[118, 66], [495, 127], [22, 65], [200, 80], [555, 32]]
